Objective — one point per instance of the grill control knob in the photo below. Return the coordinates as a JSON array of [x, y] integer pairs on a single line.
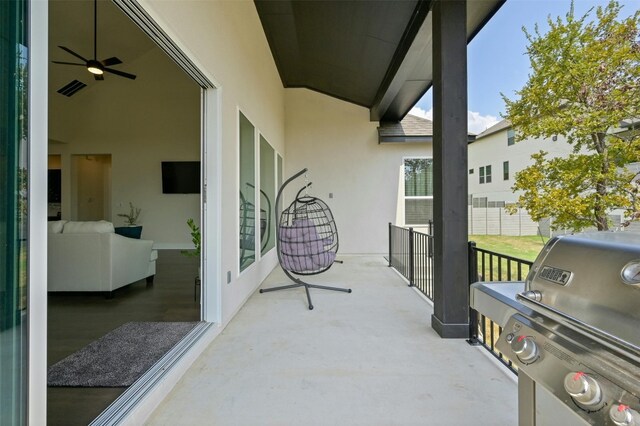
[[525, 349], [583, 389], [622, 415]]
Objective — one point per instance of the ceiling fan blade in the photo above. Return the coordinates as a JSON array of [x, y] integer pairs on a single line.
[[120, 73], [111, 61], [66, 49], [68, 63], [98, 77]]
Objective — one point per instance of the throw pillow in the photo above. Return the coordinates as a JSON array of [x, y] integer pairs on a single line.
[[55, 226]]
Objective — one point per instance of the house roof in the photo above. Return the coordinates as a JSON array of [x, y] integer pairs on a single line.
[[411, 129], [500, 125], [411, 126], [373, 53]]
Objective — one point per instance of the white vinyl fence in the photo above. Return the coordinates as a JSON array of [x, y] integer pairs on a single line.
[[496, 221]]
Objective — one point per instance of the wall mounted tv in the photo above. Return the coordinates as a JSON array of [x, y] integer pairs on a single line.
[[180, 177]]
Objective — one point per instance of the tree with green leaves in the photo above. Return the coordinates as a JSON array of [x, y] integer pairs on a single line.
[[584, 82]]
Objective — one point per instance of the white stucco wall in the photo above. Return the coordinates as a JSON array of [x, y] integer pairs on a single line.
[[339, 145], [225, 39], [493, 150]]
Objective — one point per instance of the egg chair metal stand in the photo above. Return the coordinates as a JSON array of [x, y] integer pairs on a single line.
[[306, 238]]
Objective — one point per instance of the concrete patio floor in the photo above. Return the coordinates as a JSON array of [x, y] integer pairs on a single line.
[[365, 358]]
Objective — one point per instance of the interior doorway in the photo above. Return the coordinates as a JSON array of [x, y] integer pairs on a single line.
[[91, 187], [54, 188]]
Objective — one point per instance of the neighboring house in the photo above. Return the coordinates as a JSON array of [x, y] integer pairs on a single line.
[[495, 158], [271, 88]]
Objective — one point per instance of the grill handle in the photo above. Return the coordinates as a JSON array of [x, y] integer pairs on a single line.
[[607, 338]]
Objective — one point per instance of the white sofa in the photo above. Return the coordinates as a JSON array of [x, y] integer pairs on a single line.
[[89, 256]]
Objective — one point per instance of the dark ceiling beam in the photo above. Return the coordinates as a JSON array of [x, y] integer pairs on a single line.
[[415, 40], [414, 74]]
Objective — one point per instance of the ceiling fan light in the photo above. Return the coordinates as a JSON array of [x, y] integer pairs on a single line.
[[95, 70]]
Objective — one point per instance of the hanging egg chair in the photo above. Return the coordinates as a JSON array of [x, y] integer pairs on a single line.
[[307, 239], [307, 236]]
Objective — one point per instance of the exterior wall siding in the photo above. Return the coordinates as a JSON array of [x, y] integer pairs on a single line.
[[338, 143], [493, 150]]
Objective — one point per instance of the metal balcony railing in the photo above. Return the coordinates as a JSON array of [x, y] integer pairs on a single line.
[[486, 265], [411, 254]]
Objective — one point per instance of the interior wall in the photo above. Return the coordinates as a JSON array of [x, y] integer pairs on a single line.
[[339, 145], [140, 123], [54, 162], [226, 41], [92, 198]]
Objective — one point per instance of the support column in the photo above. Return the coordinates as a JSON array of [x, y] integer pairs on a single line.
[[450, 317]]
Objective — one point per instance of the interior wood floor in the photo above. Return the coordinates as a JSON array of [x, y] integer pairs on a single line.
[[77, 319]]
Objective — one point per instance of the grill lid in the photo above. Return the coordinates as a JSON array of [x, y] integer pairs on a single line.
[[593, 279]]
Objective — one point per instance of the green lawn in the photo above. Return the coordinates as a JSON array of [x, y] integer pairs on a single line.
[[521, 247]]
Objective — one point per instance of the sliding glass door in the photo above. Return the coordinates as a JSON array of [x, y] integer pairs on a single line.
[[13, 210]]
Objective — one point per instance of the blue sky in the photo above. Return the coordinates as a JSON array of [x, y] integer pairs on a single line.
[[496, 57]]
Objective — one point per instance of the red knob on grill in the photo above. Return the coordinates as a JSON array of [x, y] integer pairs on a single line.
[[623, 415], [583, 389]]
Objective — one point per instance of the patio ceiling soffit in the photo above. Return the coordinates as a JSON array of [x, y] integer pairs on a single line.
[[376, 54]]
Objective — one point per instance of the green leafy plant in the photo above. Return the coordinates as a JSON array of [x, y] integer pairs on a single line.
[[583, 84], [195, 238], [131, 218]]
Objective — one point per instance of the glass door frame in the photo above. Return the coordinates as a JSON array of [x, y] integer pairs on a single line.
[[38, 24]]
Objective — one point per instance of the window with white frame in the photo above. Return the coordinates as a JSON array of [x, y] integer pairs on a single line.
[[485, 174], [418, 191], [511, 137], [505, 170]]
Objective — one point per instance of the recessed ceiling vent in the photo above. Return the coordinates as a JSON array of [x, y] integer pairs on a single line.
[[72, 88]]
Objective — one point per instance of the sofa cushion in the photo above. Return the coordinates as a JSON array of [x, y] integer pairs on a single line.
[[100, 227], [55, 226]]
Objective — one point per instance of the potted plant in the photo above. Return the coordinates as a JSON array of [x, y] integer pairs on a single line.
[[132, 230], [131, 218], [195, 238]]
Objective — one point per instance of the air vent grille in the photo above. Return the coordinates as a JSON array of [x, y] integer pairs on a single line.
[[72, 88]]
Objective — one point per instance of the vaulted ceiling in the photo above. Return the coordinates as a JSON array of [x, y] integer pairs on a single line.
[[374, 53]]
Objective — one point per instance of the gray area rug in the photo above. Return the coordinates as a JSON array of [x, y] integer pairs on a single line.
[[120, 357]]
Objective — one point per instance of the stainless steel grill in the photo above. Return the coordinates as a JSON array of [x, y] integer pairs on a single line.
[[573, 330]]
